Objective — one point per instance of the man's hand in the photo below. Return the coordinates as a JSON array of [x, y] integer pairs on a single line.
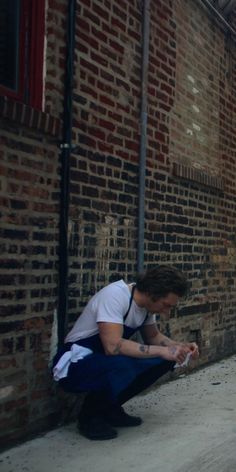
[[194, 350], [176, 352]]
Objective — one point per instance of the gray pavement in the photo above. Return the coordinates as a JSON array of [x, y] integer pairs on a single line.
[[189, 426]]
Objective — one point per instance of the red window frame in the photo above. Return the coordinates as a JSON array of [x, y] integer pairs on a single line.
[[30, 54]]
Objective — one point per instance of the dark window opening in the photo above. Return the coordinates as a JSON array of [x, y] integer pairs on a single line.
[[21, 50], [9, 36]]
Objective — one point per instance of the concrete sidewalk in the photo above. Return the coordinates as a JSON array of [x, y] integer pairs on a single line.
[[189, 426]]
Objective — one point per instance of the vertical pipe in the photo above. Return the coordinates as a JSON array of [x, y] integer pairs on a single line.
[[65, 176], [143, 140]]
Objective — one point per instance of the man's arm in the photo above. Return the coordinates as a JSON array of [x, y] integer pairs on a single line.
[[114, 344], [152, 336]]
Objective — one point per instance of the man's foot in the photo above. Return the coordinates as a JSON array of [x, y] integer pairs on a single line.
[[118, 417], [96, 428]]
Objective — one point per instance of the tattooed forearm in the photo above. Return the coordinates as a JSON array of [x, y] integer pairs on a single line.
[[144, 348], [172, 349], [118, 347], [166, 342]]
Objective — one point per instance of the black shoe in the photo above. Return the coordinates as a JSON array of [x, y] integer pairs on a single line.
[[96, 428], [118, 417]]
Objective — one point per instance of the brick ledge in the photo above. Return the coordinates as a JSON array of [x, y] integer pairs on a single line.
[[30, 117], [198, 175]]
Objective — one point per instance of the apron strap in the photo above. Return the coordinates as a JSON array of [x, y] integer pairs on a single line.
[[130, 302]]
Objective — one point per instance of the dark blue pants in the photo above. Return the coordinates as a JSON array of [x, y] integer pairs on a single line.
[[118, 377]]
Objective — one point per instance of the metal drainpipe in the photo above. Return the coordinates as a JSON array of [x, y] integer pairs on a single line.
[[143, 141], [66, 147]]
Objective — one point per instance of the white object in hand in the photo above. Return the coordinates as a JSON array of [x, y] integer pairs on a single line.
[[186, 361]]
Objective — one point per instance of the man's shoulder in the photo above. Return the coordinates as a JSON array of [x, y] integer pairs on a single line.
[[115, 294], [119, 286], [112, 302]]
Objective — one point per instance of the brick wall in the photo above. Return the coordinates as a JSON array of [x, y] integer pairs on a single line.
[[104, 174], [29, 206], [190, 185], [28, 274]]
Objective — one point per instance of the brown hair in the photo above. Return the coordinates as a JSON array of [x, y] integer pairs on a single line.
[[160, 280]]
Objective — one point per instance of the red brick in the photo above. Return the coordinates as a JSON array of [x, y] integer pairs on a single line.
[[187, 180]]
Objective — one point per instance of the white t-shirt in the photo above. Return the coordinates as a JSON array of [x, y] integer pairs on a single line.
[[110, 304]]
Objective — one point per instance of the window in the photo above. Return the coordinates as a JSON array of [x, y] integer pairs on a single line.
[[21, 50]]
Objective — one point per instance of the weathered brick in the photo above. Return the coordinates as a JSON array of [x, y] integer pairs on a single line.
[[189, 214]]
